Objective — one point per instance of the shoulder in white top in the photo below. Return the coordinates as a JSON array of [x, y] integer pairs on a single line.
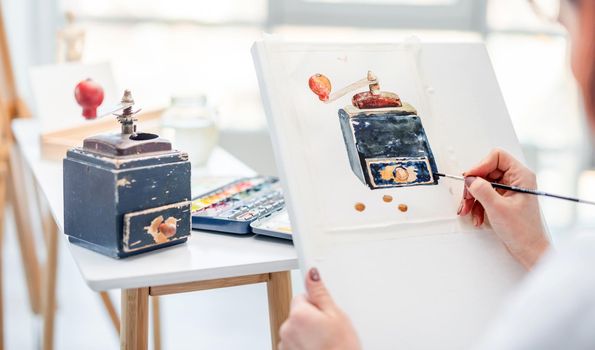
[[554, 308]]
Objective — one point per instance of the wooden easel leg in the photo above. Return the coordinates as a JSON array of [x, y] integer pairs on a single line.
[[156, 323], [135, 319], [111, 310], [279, 295], [3, 179], [24, 230], [49, 305], [21, 109]]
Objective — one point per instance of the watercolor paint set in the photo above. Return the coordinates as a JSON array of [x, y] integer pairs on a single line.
[[276, 224], [233, 207]]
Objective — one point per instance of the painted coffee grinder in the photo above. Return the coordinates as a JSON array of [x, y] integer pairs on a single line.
[[126, 193], [384, 137]]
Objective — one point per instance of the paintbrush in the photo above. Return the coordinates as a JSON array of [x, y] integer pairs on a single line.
[[521, 190]]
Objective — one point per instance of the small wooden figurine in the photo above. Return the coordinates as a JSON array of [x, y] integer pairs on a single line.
[[71, 40]]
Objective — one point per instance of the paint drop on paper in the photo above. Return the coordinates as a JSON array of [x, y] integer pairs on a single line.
[[403, 207], [360, 206], [387, 198]]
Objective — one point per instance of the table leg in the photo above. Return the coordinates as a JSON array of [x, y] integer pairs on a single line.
[[49, 304], [156, 323], [279, 295], [44, 214], [111, 310], [135, 319], [109, 306]]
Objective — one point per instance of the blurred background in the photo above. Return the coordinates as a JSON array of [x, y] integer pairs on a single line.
[[161, 49]]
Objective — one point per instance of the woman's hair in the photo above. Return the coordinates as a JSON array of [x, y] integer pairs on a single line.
[[585, 55]]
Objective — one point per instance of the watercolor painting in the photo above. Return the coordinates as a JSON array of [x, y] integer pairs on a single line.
[[384, 137], [443, 111]]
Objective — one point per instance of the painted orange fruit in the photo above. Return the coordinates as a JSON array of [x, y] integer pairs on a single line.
[[320, 85]]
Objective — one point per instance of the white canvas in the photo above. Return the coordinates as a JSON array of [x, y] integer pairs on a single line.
[[423, 279]]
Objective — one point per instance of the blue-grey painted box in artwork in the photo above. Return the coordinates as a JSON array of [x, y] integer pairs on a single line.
[[388, 147], [125, 196]]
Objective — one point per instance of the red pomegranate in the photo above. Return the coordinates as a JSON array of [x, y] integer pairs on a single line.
[[89, 95]]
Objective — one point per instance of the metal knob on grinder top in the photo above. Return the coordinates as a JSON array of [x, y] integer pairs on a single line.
[[128, 142], [127, 117]]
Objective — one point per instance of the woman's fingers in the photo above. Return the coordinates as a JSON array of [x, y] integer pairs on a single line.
[[300, 305], [475, 208], [477, 213], [318, 295], [466, 206], [493, 168], [496, 160], [298, 300], [315, 322], [495, 175], [483, 192], [478, 194]]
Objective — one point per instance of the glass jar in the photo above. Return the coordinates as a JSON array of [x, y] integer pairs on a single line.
[[190, 124]]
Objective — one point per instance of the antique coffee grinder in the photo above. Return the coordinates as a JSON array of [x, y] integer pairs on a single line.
[[386, 143], [126, 193]]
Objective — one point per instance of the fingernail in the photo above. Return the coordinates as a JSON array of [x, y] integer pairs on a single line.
[[476, 221], [314, 275], [466, 193], [460, 208], [469, 180]]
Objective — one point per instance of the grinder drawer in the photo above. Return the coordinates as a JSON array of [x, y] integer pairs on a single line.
[[156, 226], [394, 172]]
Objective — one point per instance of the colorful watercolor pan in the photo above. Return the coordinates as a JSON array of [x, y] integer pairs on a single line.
[[276, 224], [233, 207]]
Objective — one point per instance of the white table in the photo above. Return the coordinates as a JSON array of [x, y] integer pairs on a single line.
[[206, 261]]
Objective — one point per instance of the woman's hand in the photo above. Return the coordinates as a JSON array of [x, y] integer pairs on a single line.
[[315, 322], [515, 217]]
